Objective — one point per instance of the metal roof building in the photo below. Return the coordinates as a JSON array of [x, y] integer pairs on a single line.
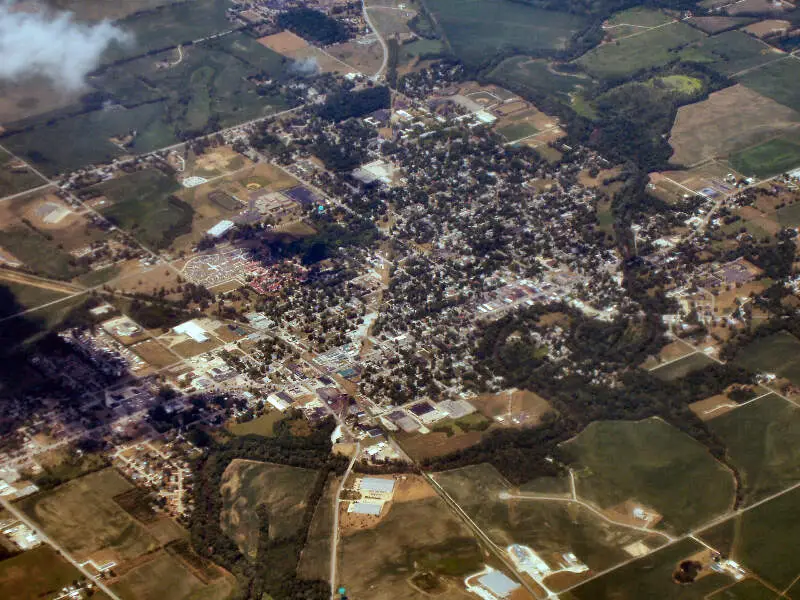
[[374, 484], [365, 508], [498, 584]]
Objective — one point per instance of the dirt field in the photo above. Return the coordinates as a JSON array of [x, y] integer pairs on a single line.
[[39, 282], [215, 162], [671, 351], [712, 407], [729, 120], [437, 443], [526, 406], [155, 354], [715, 24], [768, 27], [626, 513], [366, 58], [284, 42]]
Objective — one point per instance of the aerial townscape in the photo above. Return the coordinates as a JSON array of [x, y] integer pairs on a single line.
[[399, 299]]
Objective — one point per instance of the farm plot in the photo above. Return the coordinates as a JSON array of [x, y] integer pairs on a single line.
[[27, 296], [419, 540], [732, 52], [653, 48], [550, 527], [682, 367], [35, 574], [478, 30], [776, 156], [778, 353], [316, 557], [143, 206], [16, 176], [534, 76], [762, 440], [281, 490], [763, 539], [82, 516], [653, 463], [726, 122], [634, 21], [652, 577], [779, 80]]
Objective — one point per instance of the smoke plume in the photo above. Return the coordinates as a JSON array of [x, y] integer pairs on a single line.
[[51, 44], [305, 66]]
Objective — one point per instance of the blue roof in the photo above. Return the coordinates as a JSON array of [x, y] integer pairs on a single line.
[[373, 484], [497, 583]]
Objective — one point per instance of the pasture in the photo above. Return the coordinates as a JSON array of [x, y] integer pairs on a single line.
[[779, 80], [652, 48], [732, 52], [16, 177], [763, 539], [534, 76], [82, 516], [282, 490], [762, 440], [682, 367], [726, 122], [550, 527], [778, 353], [478, 30], [27, 296], [652, 463], [776, 156], [35, 574], [651, 577], [418, 535]]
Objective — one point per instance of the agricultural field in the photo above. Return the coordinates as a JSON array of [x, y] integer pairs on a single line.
[[717, 24], [315, 560], [726, 122], [35, 574], [361, 57], [763, 539], [445, 437], [732, 52], [141, 205], [761, 440], [634, 21], [653, 48], [670, 352], [478, 30], [651, 577], [83, 517], [779, 354], [27, 296], [283, 490], [550, 527], [534, 76], [652, 463], [748, 589], [776, 156], [16, 177], [779, 80], [34, 96], [682, 367], [418, 536], [97, 10]]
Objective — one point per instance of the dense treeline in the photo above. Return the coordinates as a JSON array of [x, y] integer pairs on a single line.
[[274, 570], [313, 25], [348, 104], [606, 7]]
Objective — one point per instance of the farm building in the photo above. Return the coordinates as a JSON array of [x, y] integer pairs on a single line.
[[365, 508], [376, 486]]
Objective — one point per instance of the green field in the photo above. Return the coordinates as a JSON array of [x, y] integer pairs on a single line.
[[260, 426], [789, 216], [749, 589], [420, 48], [170, 25], [531, 76], [764, 539], [779, 80], [651, 577], [28, 296], [763, 443], [283, 490], [316, 558], [731, 52], [652, 463], [767, 159], [653, 48], [143, 207], [550, 527], [682, 367], [778, 353], [35, 574], [682, 84], [639, 16], [11, 182], [478, 30], [517, 131], [40, 253]]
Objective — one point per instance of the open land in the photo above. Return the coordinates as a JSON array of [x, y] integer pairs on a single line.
[[779, 80], [16, 177], [530, 75], [775, 156], [262, 425], [283, 490], [778, 353], [35, 574], [682, 367], [653, 463], [733, 52], [316, 557]]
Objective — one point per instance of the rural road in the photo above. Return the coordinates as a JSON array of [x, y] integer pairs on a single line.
[[47, 540], [335, 532], [378, 35]]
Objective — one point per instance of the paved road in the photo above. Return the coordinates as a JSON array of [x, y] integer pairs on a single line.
[[385, 47], [335, 533], [48, 540]]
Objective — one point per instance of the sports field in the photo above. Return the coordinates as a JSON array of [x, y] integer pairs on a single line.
[[82, 516], [282, 490], [478, 30], [652, 48], [762, 440], [776, 156], [652, 463], [764, 539], [778, 354], [779, 80], [651, 577]]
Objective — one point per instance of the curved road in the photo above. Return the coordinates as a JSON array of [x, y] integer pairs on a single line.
[[385, 47]]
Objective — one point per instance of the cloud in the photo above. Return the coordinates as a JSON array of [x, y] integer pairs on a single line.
[[52, 44]]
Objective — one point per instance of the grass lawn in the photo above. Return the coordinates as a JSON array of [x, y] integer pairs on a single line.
[[653, 463], [517, 131], [652, 48], [143, 207], [261, 426], [651, 577], [778, 353], [767, 159], [478, 30], [764, 539], [35, 574], [682, 367]]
